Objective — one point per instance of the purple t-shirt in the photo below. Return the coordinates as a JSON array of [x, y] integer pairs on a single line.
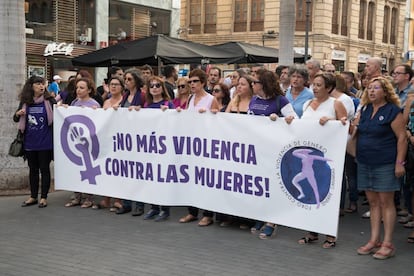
[[37, 134], [259, 106], [158, 104], [88, 103]]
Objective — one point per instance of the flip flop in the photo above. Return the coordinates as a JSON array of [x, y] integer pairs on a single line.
[[328, 244], [308, 239]]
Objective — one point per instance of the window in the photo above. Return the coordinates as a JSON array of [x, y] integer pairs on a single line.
[[385, 28], [195, 16], [301, 15], [39, 18], [394, 25], [257, 15], [344, 20], [210, 10], [362, 24], [335, 14], [240, 16], [86, 22], [371, 18]]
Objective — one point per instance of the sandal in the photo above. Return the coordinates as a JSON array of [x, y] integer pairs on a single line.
[[308, 239], [73, 202], [409, 224], [351, 209], [87, 204], [389, 251], [257, 227], [187, 218], [329, 243], [31, 201], [205, 221], [268, 231], [369, 248]]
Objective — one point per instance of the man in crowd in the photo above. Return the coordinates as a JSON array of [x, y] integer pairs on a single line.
[[214, 75], [171, 76], [329, 68], [53, 87], [373, 67], [314, 68], [283, 73]]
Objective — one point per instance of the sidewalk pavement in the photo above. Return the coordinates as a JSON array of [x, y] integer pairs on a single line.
[[74, 241]]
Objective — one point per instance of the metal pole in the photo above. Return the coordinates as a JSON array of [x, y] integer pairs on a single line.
[[308, 2]]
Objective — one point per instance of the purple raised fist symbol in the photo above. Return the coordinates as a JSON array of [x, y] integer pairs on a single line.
[[78, 135]]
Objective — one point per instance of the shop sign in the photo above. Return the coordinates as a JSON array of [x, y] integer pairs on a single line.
[[58, 49], [338, 55], [411, 55], [362, 58]]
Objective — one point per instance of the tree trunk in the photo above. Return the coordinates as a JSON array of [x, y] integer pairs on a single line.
[[13, 171], [287, 19]]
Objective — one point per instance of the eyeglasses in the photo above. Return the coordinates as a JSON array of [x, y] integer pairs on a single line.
[[114, 84], [398, 73], [181, 86], [193, 81], [216, 90], [256, 81], [234, 77], [155, 85]]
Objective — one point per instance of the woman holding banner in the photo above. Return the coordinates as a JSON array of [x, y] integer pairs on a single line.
[[239, 104], [157, 97], [133, 99], [269, 100], [200, 101], [85, 90], [324, 108], [381, 150]]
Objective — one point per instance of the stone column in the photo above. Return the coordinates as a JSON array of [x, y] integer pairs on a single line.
[[13, 171]]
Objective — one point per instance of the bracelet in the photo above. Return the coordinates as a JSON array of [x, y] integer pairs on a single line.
[[402, 163]]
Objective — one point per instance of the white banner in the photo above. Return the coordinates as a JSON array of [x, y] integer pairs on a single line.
[[235, 164]]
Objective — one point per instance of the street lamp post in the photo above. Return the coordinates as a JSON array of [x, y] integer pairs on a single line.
[[308, 2]]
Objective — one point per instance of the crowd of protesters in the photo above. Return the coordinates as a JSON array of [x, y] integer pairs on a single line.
[[379, 107]]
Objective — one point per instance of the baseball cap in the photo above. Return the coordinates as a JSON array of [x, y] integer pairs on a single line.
[[57, 77]]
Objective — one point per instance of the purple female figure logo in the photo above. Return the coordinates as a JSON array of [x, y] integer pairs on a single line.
[[80, 144], [307, 172]]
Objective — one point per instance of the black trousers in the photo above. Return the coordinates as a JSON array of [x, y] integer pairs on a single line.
[[39, 161]]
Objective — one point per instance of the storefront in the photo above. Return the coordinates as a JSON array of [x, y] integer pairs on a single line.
[[338, 59], [362, 61]]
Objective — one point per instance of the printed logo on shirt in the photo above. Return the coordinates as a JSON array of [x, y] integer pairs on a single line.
[[80, 144]]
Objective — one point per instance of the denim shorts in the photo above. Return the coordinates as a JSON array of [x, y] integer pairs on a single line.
[[378, 178]]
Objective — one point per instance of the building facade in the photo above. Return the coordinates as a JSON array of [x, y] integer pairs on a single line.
[[57, 30], [343, 32]]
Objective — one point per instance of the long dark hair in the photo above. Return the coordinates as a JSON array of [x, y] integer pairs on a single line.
[[27, 93], [270, 82]]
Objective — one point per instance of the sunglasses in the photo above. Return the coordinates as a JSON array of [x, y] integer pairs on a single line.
[[129, 79], [155, 85], [217, 90], [193, 81], [181, 86]]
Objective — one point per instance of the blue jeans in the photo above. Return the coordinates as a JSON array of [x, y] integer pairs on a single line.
[[128, 204], [351, 176]]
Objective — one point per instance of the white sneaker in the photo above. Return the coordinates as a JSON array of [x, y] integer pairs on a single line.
[[367, 214]]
